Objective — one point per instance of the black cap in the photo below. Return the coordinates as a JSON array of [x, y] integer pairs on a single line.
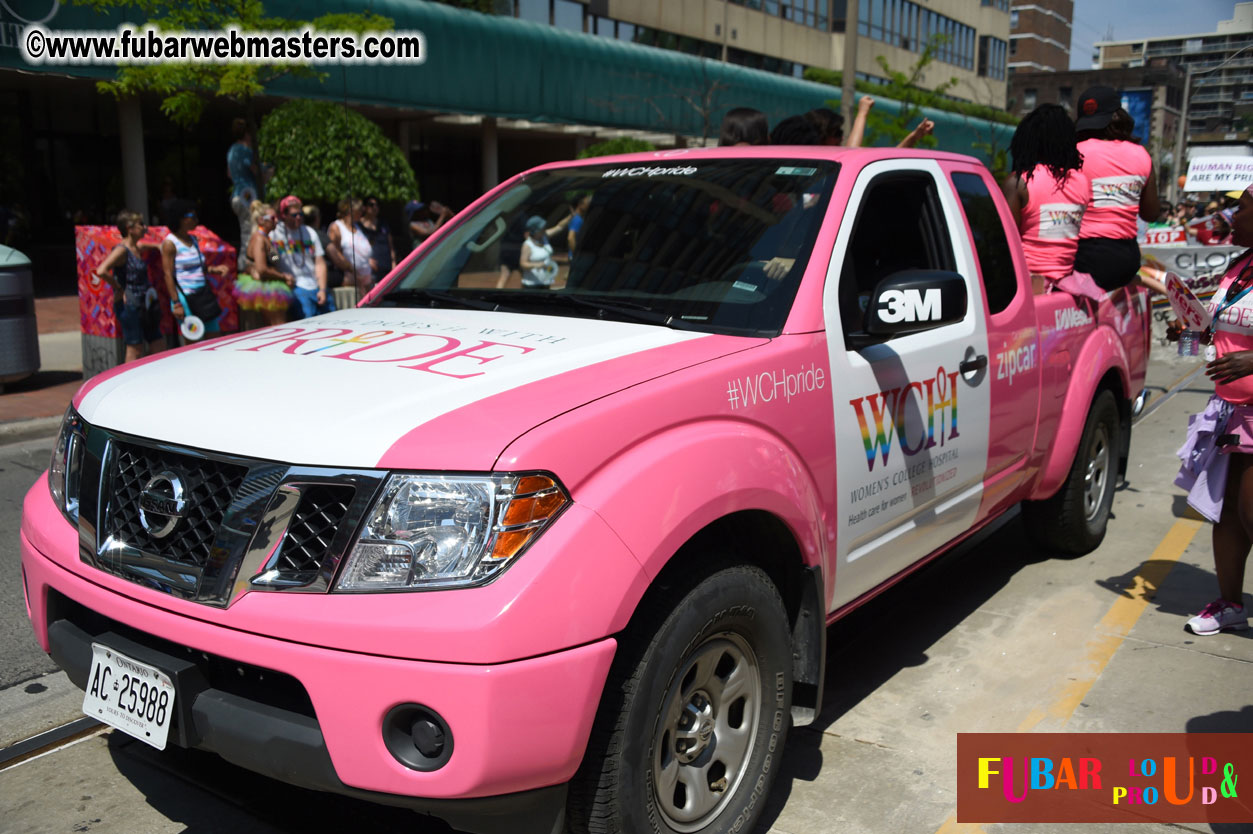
[[1096, 107]]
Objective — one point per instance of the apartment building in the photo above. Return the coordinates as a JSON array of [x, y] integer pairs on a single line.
[[1039, 35], [1220, 66]]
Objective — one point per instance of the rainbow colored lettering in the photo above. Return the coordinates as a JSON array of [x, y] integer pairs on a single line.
[[887, 410]]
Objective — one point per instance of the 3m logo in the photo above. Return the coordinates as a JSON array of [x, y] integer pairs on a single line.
[[910, 305]]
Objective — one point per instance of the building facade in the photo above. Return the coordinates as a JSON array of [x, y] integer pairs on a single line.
[[786, 36], [1220, 64], [1039, 35]]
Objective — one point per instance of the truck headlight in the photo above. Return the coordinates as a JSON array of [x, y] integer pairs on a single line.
[[431, 531], [66, 466]]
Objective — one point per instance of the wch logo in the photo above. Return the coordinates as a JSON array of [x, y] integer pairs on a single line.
[[887, 412]]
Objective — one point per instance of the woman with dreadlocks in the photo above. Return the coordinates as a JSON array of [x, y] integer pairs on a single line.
[[1047, 192]]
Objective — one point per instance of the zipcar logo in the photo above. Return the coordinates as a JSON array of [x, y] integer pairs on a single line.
[[648, 171], [910, 305]]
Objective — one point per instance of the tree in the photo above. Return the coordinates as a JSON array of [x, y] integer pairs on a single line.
[[611, 147], [974, 110], [186, 86], [906, 89], [991, 142], [700, 98], [324, 151]]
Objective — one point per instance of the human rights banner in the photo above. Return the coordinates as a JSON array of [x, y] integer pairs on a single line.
[[1219, 173]]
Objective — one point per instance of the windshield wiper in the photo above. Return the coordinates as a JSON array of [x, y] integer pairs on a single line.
[[629, 310], [438, 297]]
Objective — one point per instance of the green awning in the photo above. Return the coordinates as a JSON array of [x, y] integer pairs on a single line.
[[508, 68]]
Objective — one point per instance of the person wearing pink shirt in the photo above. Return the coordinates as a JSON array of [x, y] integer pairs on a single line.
[[1217, 457], [1046, 191], [1123, 186]]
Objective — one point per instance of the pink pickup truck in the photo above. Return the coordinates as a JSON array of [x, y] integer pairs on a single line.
[[563, 555]]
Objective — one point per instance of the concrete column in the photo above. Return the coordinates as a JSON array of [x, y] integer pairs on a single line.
[[491, 155], [402, 138], [130, 123]]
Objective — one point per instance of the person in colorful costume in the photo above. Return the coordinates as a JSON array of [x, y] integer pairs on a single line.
[[264, 288]]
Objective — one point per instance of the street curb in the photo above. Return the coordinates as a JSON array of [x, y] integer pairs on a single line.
[[16, 431]]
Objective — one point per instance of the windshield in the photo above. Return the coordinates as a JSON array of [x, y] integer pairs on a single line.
[[713, 245]]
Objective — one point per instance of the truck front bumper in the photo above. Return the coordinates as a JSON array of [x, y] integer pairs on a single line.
[[315, 716]]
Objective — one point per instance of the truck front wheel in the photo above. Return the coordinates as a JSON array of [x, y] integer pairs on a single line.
[[1073, 521], [691, 728]]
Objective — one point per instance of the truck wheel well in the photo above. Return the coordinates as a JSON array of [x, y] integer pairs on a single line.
[[1112, 382], [761, 539]]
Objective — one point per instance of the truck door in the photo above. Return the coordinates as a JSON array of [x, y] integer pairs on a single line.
[[1014, 360], [911, 413]]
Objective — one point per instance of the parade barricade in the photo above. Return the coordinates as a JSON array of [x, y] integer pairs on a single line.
[[102, 336]]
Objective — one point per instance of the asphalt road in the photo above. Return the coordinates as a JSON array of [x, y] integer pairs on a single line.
[[21, 659], [1002, 637]]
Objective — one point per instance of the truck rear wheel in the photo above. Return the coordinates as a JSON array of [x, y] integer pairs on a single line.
[[691, 727], [1073, 521]]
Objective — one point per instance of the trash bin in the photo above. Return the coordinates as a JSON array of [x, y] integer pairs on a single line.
[[19, 335]]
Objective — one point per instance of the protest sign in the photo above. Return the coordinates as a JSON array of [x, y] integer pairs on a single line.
[[1219, 173]]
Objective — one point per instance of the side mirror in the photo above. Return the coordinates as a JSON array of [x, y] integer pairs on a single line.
[[914, 300]]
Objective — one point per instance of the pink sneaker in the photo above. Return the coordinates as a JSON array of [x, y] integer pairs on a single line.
[[1219, 615]]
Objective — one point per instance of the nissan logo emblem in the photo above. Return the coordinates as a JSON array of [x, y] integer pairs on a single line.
[[161, 504]]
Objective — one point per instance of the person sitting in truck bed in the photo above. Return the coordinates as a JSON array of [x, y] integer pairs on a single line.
[[1046, 191], [1123, 186]]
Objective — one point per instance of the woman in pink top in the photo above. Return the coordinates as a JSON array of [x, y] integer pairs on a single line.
[[1217, 457], [1123, 186], [1046, 190]]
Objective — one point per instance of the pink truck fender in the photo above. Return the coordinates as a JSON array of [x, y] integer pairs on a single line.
[[1101, 360]]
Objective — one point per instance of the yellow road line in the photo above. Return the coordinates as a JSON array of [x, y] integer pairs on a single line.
[[1109, 635]]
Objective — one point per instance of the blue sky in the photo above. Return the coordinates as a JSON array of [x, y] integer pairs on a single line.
[[1140, 19]]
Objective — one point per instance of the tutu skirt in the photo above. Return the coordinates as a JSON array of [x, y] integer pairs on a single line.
[[261, 296]]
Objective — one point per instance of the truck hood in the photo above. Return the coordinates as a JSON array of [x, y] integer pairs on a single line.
[[345, 388]]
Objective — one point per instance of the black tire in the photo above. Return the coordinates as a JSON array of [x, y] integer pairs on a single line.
[[1073, 521], [666, 734]]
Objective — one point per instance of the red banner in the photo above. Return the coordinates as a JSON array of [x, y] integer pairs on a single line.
[[1104, 777]]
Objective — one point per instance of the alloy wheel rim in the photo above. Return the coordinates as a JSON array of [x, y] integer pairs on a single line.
[[1096, 477]]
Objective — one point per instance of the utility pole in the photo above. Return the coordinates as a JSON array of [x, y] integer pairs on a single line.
[[847, 90]]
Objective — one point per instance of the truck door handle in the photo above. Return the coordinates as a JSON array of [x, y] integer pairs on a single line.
[[971, 365]]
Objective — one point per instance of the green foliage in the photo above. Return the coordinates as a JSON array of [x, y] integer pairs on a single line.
[[322, 151], [925, 97], [186, 86], [623, 144], [997, 158], [882, 128]]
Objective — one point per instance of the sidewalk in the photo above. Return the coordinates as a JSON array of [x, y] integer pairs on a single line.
[[37, 402]]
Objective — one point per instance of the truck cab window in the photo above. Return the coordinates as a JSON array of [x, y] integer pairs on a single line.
[[1000, 280], [899, 225]]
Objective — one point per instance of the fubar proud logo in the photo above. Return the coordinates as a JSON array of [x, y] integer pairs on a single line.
[[886, 410], [1103, 777]]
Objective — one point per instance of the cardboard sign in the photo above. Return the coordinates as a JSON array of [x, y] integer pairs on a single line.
[[1219, 173], [1185, 304]]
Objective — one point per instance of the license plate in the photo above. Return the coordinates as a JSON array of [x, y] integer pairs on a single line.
[[133, 697]]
